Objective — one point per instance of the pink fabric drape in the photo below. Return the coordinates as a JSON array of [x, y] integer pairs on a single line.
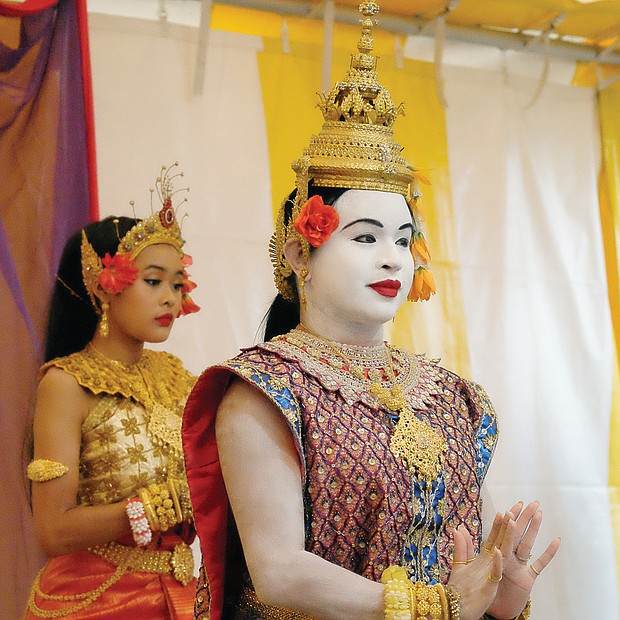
[[48, 190]]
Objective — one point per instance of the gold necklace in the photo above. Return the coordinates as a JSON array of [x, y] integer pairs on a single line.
[[132, 374], [118, 363], [390, 397], [419, 446]]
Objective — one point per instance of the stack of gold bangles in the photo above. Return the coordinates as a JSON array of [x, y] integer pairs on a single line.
[[405, 600], [165, 504]]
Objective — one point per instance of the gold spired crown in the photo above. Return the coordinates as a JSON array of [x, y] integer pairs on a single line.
[[355, 148]]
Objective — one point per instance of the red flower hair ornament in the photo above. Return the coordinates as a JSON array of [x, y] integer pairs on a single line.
[[316, 221], [118, 273]]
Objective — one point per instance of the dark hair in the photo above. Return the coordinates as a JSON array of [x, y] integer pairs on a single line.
[[72, 319], [283, 315]]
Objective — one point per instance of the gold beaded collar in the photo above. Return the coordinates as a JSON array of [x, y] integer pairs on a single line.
[[350, 369]]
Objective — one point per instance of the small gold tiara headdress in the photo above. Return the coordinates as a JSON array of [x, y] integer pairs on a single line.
[[355, 148], [160, 227]]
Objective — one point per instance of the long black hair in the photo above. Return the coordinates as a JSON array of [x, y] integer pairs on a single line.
[[72, 319], [283, 315]]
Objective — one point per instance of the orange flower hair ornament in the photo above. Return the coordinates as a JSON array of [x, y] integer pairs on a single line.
[[423, 285], [316, 221]]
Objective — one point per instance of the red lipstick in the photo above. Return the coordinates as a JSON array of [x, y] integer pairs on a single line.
[[387, 288], [165, 319]]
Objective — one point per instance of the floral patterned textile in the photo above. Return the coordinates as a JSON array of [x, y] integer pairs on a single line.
[[364, 509]]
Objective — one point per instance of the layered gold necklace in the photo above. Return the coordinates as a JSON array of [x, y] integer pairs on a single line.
[[416, 443]]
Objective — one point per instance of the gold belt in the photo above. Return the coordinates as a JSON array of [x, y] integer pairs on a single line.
[[249, 603], [179, 562]]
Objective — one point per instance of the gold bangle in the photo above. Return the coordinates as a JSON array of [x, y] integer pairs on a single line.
[[444, 601], [454, 603], [163, 505], [397, 604], [397, 597], [427, 601], [174, 495], [151, 515]]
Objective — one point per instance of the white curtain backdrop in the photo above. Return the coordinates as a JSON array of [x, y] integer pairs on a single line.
[[525, 200], [524, 194]]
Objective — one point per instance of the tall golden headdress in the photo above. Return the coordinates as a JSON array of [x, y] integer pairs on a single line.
[[355, 148], [160, 227]]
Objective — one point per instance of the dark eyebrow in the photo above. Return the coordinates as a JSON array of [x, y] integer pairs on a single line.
[[377, 223], [162, 269], [366, 220]]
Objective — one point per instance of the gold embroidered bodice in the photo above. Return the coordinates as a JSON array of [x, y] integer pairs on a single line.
[[132, 437]]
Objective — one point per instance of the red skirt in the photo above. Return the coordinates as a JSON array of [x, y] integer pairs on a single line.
[[87, 586]]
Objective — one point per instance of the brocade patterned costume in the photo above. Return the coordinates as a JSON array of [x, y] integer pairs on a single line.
[[371, 499], [131, 439]]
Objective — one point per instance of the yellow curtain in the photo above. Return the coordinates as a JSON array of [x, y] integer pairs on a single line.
[[588, 74], [609, 115]]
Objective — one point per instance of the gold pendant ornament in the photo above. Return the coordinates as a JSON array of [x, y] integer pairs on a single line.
[[420, 447]]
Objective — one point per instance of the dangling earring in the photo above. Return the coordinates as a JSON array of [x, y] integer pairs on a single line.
[[303, 273], [103, 323]]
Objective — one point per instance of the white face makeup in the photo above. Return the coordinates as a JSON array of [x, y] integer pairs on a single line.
[[359, 277]]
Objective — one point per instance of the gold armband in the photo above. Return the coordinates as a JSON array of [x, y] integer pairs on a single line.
[[42, 470], [411, 601]]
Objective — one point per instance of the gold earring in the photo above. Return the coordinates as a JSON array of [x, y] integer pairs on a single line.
[[103, 323], [302, 283]]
